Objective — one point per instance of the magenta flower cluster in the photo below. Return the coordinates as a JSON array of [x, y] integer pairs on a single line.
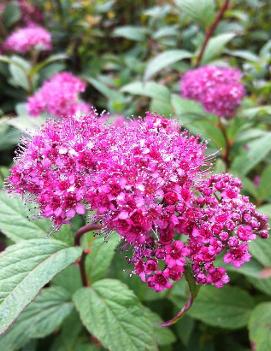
[[28, 38], [218, 89], [59, 96], [149, 181], [29, 12]]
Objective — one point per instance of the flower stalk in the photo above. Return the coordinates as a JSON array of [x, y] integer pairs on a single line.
[[193, 292], [211, 30], [78, 235]]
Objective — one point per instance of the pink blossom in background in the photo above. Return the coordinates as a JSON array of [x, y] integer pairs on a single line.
[[28, 38], [147, 180], [29, 12], [218, 89], [59, 96]]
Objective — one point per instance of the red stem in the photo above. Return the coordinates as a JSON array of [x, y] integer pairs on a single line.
[[181, 313], [228, 145], [78, 235], [211, 30]]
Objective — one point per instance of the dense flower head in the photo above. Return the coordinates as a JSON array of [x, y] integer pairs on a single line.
[[218, 89], [29, 38], [59, 96], [149, 181]]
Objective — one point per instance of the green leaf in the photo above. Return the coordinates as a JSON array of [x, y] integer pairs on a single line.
[[68, 339], [19, 69], [42, 317], [251, 269], [69, 279], [51, 59], [264, 189], [185, 328], [162, 336], [11, 14], [102, 88], [261, 250], [262, 284], [27, 124], [14, 220], [258, 150], [253, 112], [161, 107], [201, 11], [259, 327], [131, 32], [24, 269], [100, 257], [187, 108], [215, 46], [210, 132], [164, 60], [149, 89], [113, 314], [228, 307]]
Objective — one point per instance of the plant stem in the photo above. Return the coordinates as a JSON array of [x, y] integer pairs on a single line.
[[193, 292], [78, 235], [211, 29], [228, 144]]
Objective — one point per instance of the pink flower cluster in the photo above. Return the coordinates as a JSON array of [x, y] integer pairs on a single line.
[[59, 96], [218, 89], [149, 181], [29, 12], [28, 38]]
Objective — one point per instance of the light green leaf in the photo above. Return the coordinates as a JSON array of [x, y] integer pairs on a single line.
[[19, 69], [161, 107], [131, 32], [261, 250], [215, 46], [253, 112], [113, 314], [42, 317], [24, 269], [259, 327], [187, 108], [263, 285], [201, 11], [258, 150], [264, 189], [149, 89], [228, 307], [164, 60], [15, 222], [26, 123], [100, 257]]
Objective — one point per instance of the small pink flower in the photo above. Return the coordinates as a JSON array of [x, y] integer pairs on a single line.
[[59, 96], [218, 89], [28, 38]]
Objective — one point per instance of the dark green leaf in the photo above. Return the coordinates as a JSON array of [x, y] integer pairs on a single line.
[[259, 327], [228, 307]]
